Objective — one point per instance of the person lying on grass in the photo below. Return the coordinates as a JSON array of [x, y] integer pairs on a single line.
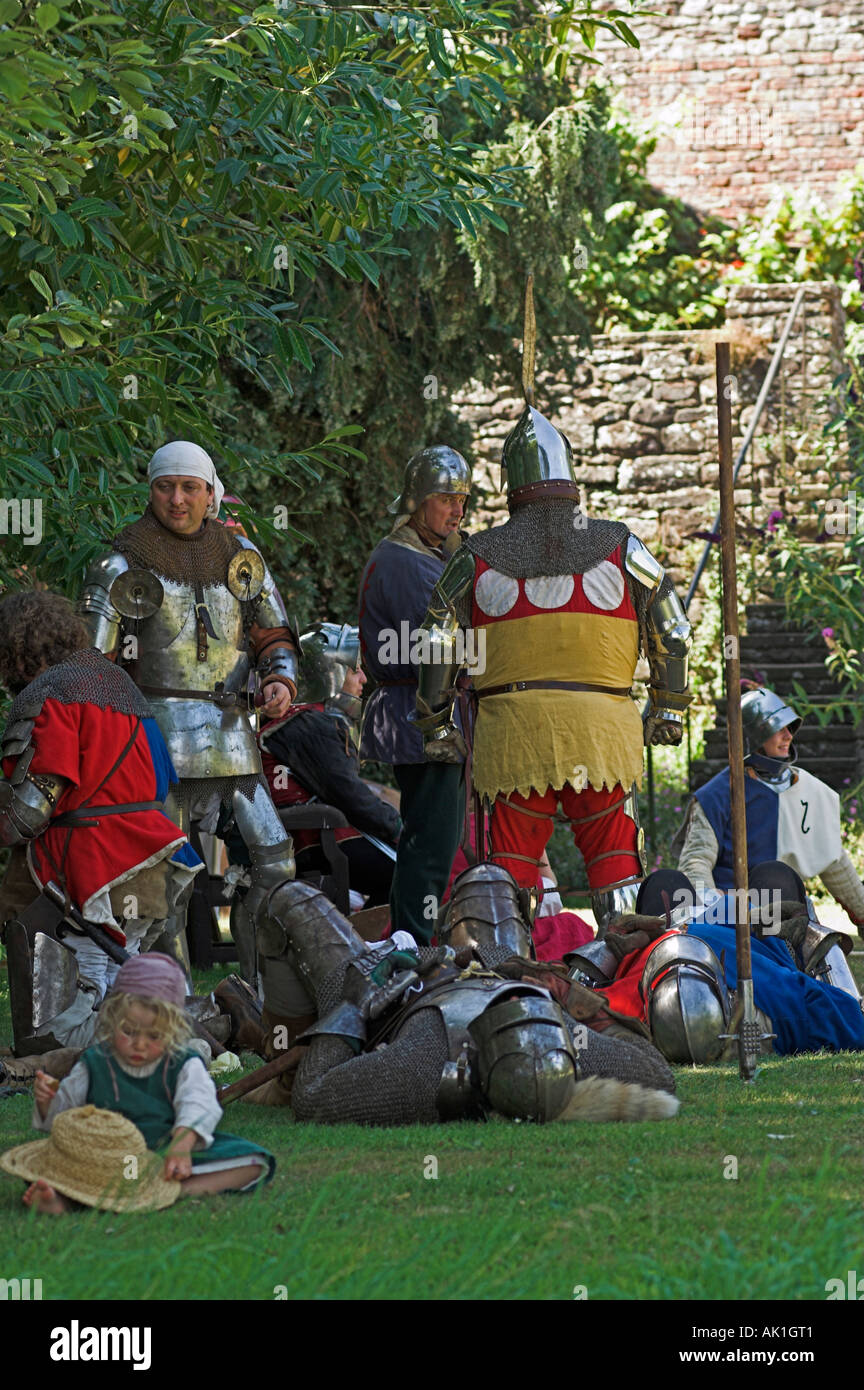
[[141, 1067]]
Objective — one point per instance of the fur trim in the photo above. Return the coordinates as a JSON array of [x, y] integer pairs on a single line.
[[600, 1098]]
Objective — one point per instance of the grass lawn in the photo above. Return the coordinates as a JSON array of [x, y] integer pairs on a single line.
[[635, 1211]]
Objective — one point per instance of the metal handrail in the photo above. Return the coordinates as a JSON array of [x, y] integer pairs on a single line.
[[758, 411]]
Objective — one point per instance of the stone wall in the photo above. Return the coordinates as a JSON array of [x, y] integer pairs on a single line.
[[640, 411], [747, 96]]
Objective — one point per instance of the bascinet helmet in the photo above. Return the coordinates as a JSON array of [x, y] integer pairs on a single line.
[[525, 1065], [435, 469], [329, 653], [537, 461], [687, 1001]]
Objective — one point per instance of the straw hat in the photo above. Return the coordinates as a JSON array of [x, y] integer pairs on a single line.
[[88, 1156]]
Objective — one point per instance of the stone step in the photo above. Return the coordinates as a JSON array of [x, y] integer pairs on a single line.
[[821, 742], [759, 643], [844, 725]]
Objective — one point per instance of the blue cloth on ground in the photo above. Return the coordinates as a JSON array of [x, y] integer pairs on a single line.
[[806, 1014]]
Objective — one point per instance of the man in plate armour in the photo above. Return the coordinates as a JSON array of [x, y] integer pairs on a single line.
[[560, 604], [412, 1035], [190, 609]]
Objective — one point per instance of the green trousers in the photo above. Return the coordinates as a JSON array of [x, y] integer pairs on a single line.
[[433, 812]]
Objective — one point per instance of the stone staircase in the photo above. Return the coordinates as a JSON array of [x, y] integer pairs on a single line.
[[779, 656]]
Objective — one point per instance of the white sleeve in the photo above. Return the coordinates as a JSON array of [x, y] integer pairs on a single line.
[[843, 883], [700, 850], [195, 1103], [71, 1093]]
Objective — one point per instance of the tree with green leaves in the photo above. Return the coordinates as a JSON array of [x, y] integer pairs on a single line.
[[173, 179]]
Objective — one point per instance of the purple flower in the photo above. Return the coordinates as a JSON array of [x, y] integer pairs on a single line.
[[771, 523], [827, 633]]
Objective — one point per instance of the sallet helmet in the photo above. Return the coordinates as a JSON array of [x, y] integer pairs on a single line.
[[763, 714]]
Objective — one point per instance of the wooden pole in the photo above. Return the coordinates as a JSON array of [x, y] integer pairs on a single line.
[[748, 1036]]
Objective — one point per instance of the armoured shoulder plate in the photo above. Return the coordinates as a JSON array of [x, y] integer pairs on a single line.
[[526, 1063], [457, 577], [642, 565], [95, 607], [459, 1003]]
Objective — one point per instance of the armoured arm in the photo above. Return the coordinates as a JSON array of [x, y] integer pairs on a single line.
[[102, 619], [274, 648], [843, 883], [27, 802], [441, 651], [668, 641]]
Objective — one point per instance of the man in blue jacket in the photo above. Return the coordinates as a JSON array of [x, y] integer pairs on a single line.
[[395, 590]]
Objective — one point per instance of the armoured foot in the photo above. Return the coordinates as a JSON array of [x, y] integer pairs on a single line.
[[40, 1196]]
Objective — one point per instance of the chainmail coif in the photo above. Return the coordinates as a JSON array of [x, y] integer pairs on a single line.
[[544, 538], [199, 559]]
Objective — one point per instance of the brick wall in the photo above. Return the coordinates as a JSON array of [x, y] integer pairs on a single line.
[[748, 96], [640, 411]]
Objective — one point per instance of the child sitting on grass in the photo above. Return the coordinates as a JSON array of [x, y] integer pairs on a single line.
[[141, 1067]]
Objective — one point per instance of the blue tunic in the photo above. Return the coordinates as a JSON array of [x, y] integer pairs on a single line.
[[395, 590], [762, 813]]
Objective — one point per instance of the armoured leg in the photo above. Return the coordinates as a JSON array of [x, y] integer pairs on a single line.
[[272, 854], [243, 934], [486, 908], [614, 901], [303, 926]]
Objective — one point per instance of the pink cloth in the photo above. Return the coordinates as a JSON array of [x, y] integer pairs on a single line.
[[562, 932], [152, 976]]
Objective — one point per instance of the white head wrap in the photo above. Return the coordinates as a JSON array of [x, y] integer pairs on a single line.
[[184, 460]]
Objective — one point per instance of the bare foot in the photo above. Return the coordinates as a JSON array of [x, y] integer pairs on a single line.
[[45, 1198]]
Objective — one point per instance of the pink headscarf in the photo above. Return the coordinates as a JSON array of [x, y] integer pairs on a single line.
[[153, 975]]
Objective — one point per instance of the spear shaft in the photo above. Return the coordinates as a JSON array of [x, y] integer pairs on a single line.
[[748, 1031]]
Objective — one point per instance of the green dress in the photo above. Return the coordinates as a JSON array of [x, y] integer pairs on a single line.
[[148, 1101]]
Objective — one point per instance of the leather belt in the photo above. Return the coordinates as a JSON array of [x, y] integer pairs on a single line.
[[551, 685], [226, 699], [83, 815]]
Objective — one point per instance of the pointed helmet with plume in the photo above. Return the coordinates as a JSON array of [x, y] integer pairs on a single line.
[[537, 460]]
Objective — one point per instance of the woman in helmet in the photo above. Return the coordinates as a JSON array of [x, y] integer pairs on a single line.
[[791, 815]]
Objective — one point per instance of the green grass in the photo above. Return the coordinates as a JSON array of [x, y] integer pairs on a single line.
[[516, 1211]]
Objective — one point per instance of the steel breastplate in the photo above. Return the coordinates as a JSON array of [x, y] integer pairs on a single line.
[[204, 739]]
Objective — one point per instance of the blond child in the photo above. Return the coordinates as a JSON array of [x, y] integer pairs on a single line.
[[141, 1067]]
